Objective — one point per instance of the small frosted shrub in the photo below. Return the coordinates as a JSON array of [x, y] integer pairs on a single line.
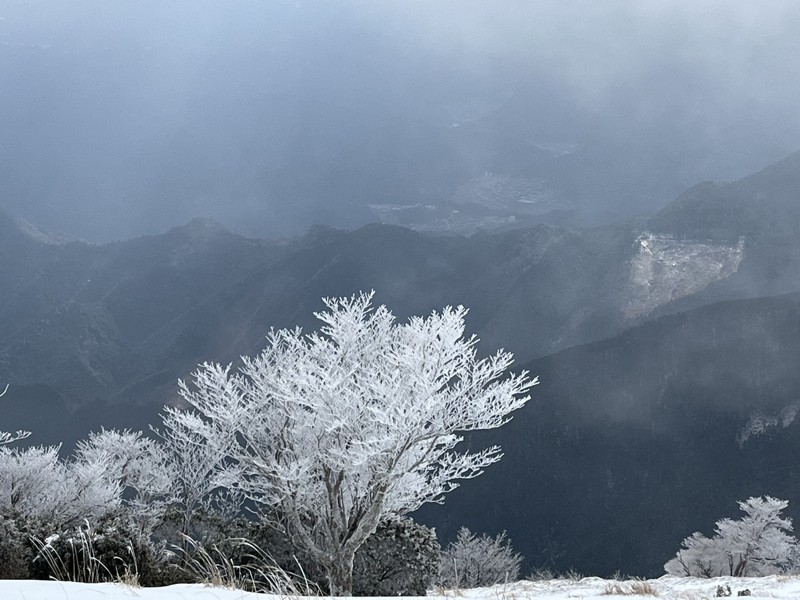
[[400, 559], [758, 544], [478, 561], [15, 550]]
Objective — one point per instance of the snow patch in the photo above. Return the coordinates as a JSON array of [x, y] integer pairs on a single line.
[[588, 588], [665, 269]]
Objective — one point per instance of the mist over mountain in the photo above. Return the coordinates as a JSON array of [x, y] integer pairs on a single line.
[[129, 118]]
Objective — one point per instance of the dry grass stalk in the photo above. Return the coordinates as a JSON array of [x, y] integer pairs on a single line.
[[85, 566], [261, 573], [630, 588]]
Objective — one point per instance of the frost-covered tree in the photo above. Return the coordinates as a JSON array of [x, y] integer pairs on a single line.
[[472, 561], [35, 482], [757, 544], [202, 478], [138, 466], [338, 428], [8, 438]]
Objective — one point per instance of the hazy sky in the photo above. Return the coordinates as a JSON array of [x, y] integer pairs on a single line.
[[120, 117]]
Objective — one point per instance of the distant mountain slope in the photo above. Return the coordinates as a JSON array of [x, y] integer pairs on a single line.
[[632, 443], [765, 205], [762, 211], [74, 316], [121, 322]]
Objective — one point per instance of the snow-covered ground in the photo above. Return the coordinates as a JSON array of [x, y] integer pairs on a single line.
[[665, 588]]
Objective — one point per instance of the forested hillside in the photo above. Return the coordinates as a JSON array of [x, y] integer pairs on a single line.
[[634, 442]]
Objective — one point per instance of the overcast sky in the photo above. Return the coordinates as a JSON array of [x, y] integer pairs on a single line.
[[121, 117]]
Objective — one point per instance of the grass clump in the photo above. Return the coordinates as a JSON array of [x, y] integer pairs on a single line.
[[630, 588], [87, 555], [242, 565], [547, 574]]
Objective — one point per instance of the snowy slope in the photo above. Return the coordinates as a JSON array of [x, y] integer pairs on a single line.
[[666, 588], [665, 269]]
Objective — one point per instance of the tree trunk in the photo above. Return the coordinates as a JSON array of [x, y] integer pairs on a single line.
[[741, 568], [340, 575]]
